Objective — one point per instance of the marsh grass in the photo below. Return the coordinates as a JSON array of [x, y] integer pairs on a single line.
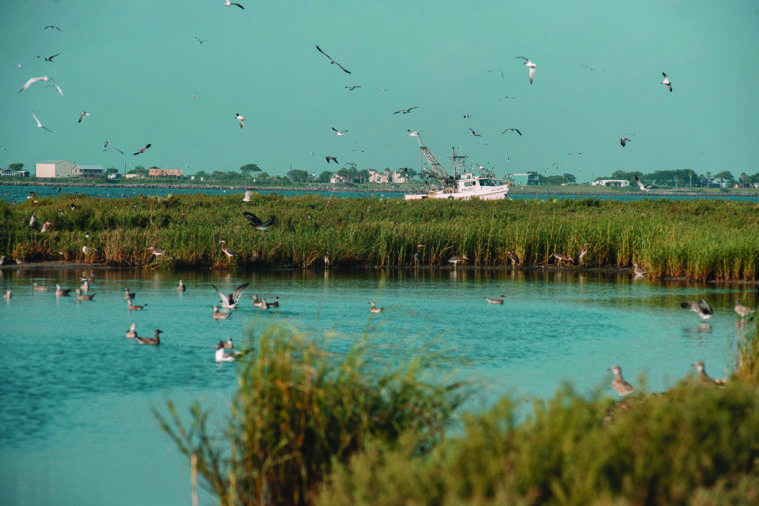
[[299, 410], [697, 239]]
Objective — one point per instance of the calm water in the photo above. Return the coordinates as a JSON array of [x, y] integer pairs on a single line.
[[76, 425], [15, 194]]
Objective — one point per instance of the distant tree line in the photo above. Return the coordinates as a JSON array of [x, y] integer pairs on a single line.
[[686, 177]]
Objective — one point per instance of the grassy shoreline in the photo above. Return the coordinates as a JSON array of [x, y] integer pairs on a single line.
[[702, 240]]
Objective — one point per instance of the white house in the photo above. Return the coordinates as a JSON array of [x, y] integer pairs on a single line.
[[55, 168]]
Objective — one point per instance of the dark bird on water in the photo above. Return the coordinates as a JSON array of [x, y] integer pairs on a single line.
[[142, 150], [150, 340], [333, 61], [255, 221]]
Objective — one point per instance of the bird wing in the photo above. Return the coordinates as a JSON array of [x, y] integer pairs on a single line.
[[224, 298], [692, 305], [29, 83], [705, 307], [252, 218], [269, 222], [39, 124], [235, 296]]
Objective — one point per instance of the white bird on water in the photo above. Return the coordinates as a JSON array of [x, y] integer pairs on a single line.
[[33, 80]]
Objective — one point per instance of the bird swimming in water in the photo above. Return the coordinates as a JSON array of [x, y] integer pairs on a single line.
[[217, 315], [181, 287], [156, 340], [83, 296], [374, 309], [131, 333], [742, 310], [222, 356], [134, 307], [495, 301]]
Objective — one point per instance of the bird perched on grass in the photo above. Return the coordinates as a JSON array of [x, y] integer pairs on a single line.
[[619, 384], [255, 221]]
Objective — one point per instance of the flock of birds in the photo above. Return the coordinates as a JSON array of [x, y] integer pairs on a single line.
[[530, 65]]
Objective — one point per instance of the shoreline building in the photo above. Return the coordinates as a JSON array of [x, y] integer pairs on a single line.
[[55, 168]]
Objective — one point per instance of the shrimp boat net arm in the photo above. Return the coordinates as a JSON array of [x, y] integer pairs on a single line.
[[436, 168]]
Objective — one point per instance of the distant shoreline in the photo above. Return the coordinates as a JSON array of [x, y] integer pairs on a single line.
[[349, 189]]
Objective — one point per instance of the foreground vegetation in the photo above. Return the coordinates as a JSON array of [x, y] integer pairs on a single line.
[[698, 239], [309, 428]]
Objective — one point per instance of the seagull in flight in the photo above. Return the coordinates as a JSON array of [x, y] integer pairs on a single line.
[[200, 40], [332, 61], [33, 80], [82, 115], [640, 184], [511, 130], [52, 26], [239, 118], [247, 196], [142, 150], [331, 158], [230, 301], [39, 123], [624, 141], [351, 88], [414, 133], [531, 66], [339, 132], [230, 4], [113, 148], [473, 133], [255, 221], [48, 58], [406, 111], [666, 82]]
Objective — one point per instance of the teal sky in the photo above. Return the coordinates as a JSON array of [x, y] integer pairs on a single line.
[[135, 65]]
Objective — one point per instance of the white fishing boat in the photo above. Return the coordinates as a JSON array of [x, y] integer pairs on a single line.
[[463, 186]]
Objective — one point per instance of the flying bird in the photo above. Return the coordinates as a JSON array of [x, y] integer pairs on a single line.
[[230, 4], [48, 58], [331, 158], [113, 148], [255, 221], [230, 301], [142, 150], [473, 133], [666, 82], [52, 26], [511, 130], [332, 61], [33, 80], [623, 141], [199, 39], [531, 66], [339, 132], [351, 88], [248, 194], [406, 111], [414, 133], [239, 118], [640, 184], [39, 123], [700, 306], [82, 115]]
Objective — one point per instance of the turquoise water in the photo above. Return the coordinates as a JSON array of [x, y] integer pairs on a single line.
[[76, 425], [15, 194]]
